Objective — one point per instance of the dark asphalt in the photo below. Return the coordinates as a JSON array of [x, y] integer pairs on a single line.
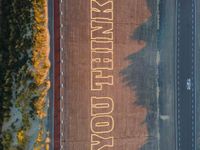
[[185, 66], [51, 74]]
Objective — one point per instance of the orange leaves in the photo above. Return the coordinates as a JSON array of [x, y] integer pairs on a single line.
[[21, 136], [41, 42]]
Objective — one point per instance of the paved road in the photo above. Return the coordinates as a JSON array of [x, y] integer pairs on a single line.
[[185, 67], [51, 75]]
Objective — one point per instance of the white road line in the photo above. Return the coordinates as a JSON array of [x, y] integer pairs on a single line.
[[61, 75], [193, 57], [178, 72]]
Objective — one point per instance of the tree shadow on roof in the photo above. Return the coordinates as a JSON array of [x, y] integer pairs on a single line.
[[142, 74]]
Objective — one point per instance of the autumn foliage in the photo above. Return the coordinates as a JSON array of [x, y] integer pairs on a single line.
[[24, 57]]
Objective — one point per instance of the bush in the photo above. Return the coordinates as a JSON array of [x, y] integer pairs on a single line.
[[24, 51]]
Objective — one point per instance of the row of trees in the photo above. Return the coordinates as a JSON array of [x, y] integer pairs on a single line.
[[24, 65]]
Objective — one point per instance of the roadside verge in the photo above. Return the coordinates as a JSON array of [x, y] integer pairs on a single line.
[[56, 75]]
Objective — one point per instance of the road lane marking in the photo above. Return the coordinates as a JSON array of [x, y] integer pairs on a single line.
[[193, 62], [178, 72], [61, 79], [62, 37]]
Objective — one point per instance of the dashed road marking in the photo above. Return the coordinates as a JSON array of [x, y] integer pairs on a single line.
[[62, 37], [178, 72], [61, 79], [193, 98]]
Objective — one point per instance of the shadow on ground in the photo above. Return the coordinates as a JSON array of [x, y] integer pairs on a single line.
[[142, 74]]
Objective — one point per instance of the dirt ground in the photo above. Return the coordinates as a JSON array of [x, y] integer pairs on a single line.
[[130, 131]]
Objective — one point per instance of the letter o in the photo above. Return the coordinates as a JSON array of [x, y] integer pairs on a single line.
[[102, 124]]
